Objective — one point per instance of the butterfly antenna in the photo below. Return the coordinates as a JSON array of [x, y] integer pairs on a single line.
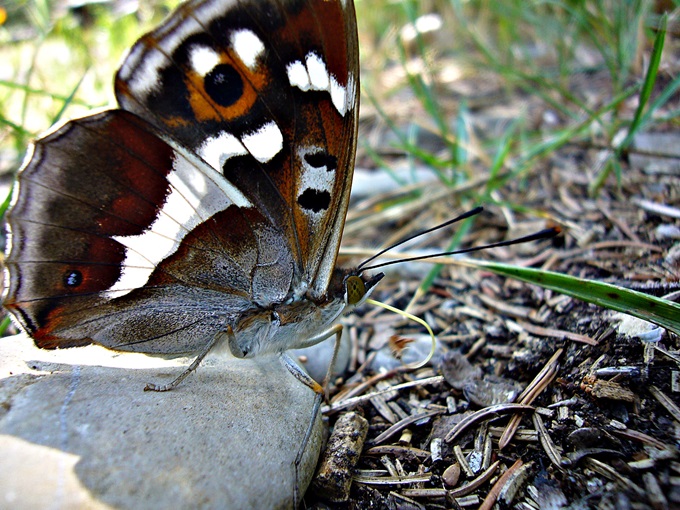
[[463, 216], [543, 234]]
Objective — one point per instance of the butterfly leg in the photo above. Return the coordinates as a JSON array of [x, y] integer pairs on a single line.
[[336, 330], [192, 367]]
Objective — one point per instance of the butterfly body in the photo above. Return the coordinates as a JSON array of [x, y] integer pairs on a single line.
[[212, 201]]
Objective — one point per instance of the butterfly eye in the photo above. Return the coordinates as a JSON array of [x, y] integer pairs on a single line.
[[355, 290]]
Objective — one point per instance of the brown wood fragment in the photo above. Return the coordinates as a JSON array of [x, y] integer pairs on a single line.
[[533, 390], [609, 472], [462, 461], [514, 484], [493, 494], [400, 425], [602, 388], [391, 480], [518, 312], [397, 450], [334, 476], [642, 437], [654, 493], [557, 333], [382, 408], [484, 414], [451, 474], [484, 477], [401, 501]]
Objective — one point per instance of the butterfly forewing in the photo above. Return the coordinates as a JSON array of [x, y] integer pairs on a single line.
[[275, 88]]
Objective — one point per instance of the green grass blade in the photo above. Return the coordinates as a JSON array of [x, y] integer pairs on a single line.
[[666, 95], [45, 93], [5, 204], [640, 115], [68, 100], [659, 311], [650, 81], [4, 324]]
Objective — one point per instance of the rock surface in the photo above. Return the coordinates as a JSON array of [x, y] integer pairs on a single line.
[[78, 431]]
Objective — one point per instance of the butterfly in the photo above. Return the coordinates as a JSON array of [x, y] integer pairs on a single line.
[[211, 203]]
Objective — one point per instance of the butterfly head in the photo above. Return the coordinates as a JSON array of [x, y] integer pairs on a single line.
[[358, 287]]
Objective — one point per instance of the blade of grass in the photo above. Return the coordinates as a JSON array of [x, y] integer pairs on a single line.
[[4, 324], [645, 94], [68, 100], [459, 149], [403, 141], [382, 163], [40, 92], [659, 311], [665, 95], [6, 202]]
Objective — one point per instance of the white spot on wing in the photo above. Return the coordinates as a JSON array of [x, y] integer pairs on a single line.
[[265, 143], [338, 96], [143, 75], [318, 74], [216, 150], [203, 59], [143, 65], [247, 46], [314, 75], [297, 75], [318, 178], [172, 34]]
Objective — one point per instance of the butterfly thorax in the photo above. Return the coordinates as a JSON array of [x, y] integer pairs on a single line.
[[298, 323]]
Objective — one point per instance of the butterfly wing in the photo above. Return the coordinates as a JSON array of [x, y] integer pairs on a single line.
[[274, 87], [154, 238], [116, 237]]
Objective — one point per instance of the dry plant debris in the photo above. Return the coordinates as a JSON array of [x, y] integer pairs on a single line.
[[535, 400]]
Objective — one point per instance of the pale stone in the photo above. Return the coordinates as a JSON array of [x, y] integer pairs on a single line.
[[78, 431]]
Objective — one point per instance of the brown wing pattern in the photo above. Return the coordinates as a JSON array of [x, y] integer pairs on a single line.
[[220, 188], [274, 86]]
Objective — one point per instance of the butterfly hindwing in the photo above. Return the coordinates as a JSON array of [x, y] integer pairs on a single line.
[[154, 242]]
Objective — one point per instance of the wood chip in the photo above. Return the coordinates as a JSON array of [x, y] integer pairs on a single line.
[[334, 476], [400, 425], [391, 480], [602, 388], [495, 491], [654, 493], [451, 475], [609, 472], [533, 390], [557, 333]]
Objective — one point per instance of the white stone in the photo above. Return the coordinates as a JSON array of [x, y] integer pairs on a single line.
[[80, 432]]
